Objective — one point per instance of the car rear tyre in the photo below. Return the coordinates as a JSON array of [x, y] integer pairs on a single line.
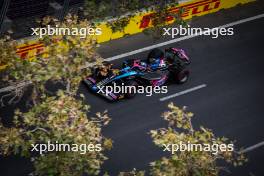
[[182, 77]]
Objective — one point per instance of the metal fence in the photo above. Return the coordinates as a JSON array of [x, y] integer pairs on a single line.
[[21, 15]]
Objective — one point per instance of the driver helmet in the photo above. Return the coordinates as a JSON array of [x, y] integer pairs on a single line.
[[157, 63]]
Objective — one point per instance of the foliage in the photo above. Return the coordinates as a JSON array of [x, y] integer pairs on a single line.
[[7, 50], [119, 24], [63, 120], [122, 11], [96, 11], [99, 10], [190, 162], [63, 62], [159, 19], [134, 172], [61, 117], [69, 54], [8, 61]]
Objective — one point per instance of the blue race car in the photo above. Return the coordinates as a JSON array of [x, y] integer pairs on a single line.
[[156, 70]]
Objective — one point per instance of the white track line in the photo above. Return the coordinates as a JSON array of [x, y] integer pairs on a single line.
[[183, 92], [182, 38], [253, 147]]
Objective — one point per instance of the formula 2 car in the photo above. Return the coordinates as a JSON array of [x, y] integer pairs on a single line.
[[156, 70]]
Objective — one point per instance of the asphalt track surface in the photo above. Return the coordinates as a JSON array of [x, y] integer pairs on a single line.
[[231, 104]]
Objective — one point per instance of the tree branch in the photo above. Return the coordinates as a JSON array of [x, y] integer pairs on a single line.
[[14, 87], [38, 128]]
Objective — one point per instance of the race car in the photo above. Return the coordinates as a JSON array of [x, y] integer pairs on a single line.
[[156, 70]]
